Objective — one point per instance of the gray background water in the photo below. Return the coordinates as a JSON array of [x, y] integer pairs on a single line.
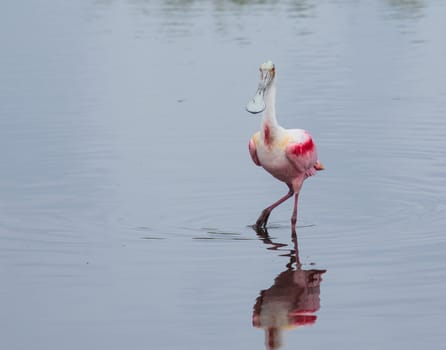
[[127, 190]]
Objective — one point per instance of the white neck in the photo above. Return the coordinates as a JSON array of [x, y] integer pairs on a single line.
[[269, 115]]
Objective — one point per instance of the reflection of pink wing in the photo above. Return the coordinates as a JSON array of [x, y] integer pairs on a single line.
[[302, 320], [253, 152]]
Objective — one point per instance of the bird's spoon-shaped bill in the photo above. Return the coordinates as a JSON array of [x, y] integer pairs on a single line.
[[257, 104]]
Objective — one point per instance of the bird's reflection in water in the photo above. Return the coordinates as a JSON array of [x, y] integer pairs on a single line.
[[291, 301]]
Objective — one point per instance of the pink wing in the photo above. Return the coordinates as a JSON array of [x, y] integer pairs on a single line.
[[253, 152], [303, 156]]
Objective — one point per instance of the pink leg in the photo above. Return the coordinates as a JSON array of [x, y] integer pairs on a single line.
[[263, 218], [296, 248], [294, 217]]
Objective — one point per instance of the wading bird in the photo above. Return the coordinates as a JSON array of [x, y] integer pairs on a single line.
[[287, 154]]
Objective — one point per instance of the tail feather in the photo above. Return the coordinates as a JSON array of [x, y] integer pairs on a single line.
[[319, 166]]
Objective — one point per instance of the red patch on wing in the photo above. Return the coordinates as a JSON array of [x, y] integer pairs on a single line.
[[253, 152], [267, 133], [302, 148]]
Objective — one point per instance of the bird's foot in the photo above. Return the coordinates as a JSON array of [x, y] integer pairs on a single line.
[[263, 218]]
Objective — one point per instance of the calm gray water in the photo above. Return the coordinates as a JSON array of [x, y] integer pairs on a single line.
[[127, 190]]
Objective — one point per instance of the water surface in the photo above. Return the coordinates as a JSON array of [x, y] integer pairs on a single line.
[[127, 189]]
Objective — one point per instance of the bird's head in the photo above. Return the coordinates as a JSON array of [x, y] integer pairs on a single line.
[[267, 74]]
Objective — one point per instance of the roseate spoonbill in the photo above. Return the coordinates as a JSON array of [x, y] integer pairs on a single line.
[[287, 154]]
